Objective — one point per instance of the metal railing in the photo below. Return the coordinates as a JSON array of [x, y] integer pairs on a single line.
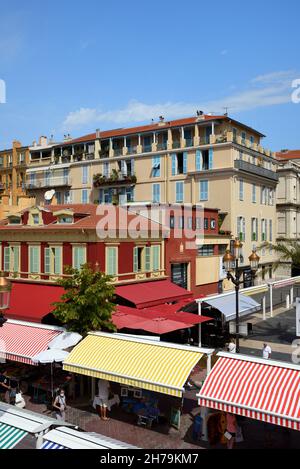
[[255, 169], [49, 182]]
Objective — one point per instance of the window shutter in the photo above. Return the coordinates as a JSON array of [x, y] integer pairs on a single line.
[[210, 158], [135, 260], [16, 251], [47, 268], [147, 259], [185, 157], [238, 227], [198, 160], [174, 165], [111, 261], [7, 259], [244, 229], [34, 260], [156, 257], [57, 260], [132, 166]]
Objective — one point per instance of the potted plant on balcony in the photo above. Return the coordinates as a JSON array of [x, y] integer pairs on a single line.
[[99, 180]]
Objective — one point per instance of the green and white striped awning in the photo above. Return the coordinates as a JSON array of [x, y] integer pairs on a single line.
[[10, 436]]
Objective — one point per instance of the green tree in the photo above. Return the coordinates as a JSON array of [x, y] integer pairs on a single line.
[[288, 251], [86, 304]]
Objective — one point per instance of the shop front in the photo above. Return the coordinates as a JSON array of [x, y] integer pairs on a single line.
[[147, 377], [264, 390]]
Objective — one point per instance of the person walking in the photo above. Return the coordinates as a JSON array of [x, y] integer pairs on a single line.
[[231, 430], [60, 405], [266, 352]]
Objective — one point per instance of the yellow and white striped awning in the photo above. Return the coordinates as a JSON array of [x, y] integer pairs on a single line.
[[156, 366]]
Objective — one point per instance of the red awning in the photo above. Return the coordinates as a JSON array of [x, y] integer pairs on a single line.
[[21, 343], [263, 390], [146, 294], [31, 302]]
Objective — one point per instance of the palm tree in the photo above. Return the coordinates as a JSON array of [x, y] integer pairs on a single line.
[[288, 251]]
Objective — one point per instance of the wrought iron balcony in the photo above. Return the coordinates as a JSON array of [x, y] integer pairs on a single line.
[[256, 170]]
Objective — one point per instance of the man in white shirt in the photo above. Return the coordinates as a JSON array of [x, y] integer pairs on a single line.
[[232, 346], [266, 352]]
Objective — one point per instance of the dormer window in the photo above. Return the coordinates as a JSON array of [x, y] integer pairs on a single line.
[[14, 219], [65, 219], [35, 219]]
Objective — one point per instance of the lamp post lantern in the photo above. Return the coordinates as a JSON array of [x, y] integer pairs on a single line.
[[231, 264], [5, 289]]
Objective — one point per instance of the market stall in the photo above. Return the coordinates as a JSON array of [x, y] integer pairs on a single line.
[[144, 370]]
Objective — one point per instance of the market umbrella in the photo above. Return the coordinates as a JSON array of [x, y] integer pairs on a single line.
[[65, 340], [125, 320], [51, 356], [163, 311], [161, 325]]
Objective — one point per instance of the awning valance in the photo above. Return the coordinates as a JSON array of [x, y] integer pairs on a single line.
[[68, 438], [159, 366], [226, 305], [21, 342], [147, 294], [263, 390]]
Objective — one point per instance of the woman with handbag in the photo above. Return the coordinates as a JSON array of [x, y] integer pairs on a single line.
[[60, 405]]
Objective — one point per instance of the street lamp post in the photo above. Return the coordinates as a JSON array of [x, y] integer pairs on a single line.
[[231, 264], [5, 289]]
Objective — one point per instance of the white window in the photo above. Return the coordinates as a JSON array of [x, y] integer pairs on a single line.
[[12, 259], [34, 260], [112, 260], [106, 169], [254, 229], [79, 256], [264, 230]]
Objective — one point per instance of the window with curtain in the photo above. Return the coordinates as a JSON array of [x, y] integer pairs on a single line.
[[156, 166]]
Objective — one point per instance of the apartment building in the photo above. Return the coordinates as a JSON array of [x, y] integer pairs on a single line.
[[212, 160], [288, 201], [13, 164]]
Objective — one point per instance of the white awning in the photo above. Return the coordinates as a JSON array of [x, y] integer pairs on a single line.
[[226, 305], [23, 419], [72, 439]]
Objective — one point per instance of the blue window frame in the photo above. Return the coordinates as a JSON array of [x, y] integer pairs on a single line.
[[156, 193], [156, 166], [179, 192], [203, 190]]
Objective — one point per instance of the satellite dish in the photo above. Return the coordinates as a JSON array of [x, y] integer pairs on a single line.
[[49, 195]]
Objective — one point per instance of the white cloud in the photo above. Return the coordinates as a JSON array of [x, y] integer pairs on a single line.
[[264, 90]]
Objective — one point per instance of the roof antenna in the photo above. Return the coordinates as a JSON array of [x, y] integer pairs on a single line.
[[226, 109]]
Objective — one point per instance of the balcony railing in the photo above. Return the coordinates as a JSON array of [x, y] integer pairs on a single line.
[[113, 180], [176, 144], [118, 151], [48, 182], [162, 146], [189, 142], [147, 148], [254, 169]]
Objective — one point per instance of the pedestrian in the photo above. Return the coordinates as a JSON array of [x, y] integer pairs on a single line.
[[232, 346], [101, 401], [60, 405], [4, 387], [231, 430], [266, 352], [13, 392]]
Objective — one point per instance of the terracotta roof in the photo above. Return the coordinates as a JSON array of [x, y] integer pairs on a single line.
[[122, 217], [288, 155], [155, 127]]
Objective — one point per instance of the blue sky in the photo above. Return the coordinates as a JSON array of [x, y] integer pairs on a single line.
[[72, 67]]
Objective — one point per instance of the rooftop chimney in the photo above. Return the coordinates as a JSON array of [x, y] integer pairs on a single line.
[[43, 141], [97, 133]]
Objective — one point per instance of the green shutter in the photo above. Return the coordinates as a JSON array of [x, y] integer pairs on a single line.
[[147, 259], [7, 259], [16, 251], [155, 257], [57, 260], [135, 260], [111, 261], [79, 257], [47, 268], [34, 260]]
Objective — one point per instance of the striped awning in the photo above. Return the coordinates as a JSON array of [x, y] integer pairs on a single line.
[[263, 390], [10, 436], [21, 342], [157, 366], [51, 445]]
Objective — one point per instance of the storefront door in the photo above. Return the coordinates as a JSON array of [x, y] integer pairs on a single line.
[[179, 275]]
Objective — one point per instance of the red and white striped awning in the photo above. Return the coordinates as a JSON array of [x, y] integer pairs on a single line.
[[21, 342], [259, 389]]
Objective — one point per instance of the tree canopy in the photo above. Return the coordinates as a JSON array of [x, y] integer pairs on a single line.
[[86, 304]]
